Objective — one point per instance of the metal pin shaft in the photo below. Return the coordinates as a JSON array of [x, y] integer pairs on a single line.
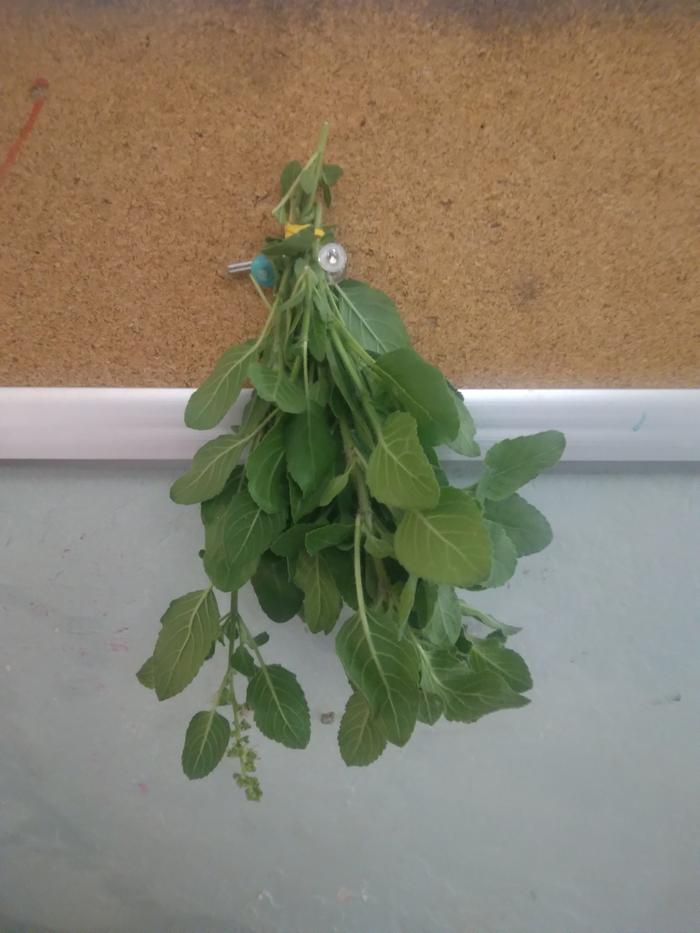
[[244, 266]]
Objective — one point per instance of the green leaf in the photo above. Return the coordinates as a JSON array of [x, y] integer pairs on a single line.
[[311, 447], [275, 386], [398, 472], [322, 601], [309, 179], [429, 708], [328, 536], [334, 488], [340, 564], [424, 605], [188, 628], [213, 399], [526, 527], [384, 669], [445, 623], [205, 743], [332, 174], [371, 317], [279, 598], [320, 392], [512, 463], [464, 442], [360, 738], [505, 557], [295, 245], [279, 706], [267, 480], [379, 547], [490, 654], [466, 696], [289, 175], [211, 509], [236, 539], [291, 541], [406, 601], [146, 674], [211, 468], [488, 620], [242, 661], [318, 337], [446, 544], [422, 390]]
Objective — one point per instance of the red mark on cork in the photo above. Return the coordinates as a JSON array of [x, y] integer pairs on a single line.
[[38, 92]]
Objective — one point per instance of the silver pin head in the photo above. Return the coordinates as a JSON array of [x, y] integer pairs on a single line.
[[333, 259]]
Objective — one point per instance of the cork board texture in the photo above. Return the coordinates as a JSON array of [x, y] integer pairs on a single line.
[[522, 178]]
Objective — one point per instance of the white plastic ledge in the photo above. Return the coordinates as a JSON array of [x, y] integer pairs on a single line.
[[602, 425]]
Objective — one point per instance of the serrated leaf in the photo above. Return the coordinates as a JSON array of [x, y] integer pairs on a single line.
[[371, 317], [311, 447], [206, 740], [398, 471], [234, 541], [445, 544], [466, 696], [146, 674], [279, 598], [265, 470], [429, 708], [322, 600], [423, 391], [464, 442], [276, 387], [526, 527], [360, 738], [214, 398], [188, 628], [504, 560], [326, 536], [279, 706], [384, 670], [445, 623], [211, 467], [513, 462]]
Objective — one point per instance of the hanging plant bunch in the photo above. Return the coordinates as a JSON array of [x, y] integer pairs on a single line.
[[329, 498]]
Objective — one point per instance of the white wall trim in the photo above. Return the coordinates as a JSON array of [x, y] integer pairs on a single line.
[[146, 424]]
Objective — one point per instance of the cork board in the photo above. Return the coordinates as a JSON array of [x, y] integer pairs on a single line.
[[521, 177]]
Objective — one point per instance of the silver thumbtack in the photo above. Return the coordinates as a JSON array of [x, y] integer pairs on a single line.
[[333, 259], [244, 266]]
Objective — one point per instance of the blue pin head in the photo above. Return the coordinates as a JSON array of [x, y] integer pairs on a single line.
[[263, 271]]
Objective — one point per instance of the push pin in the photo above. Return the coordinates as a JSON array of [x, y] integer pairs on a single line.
[[333, 259], [261, 268]]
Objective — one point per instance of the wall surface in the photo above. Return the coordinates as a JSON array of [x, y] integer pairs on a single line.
[[521, 177], [577, 814]]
